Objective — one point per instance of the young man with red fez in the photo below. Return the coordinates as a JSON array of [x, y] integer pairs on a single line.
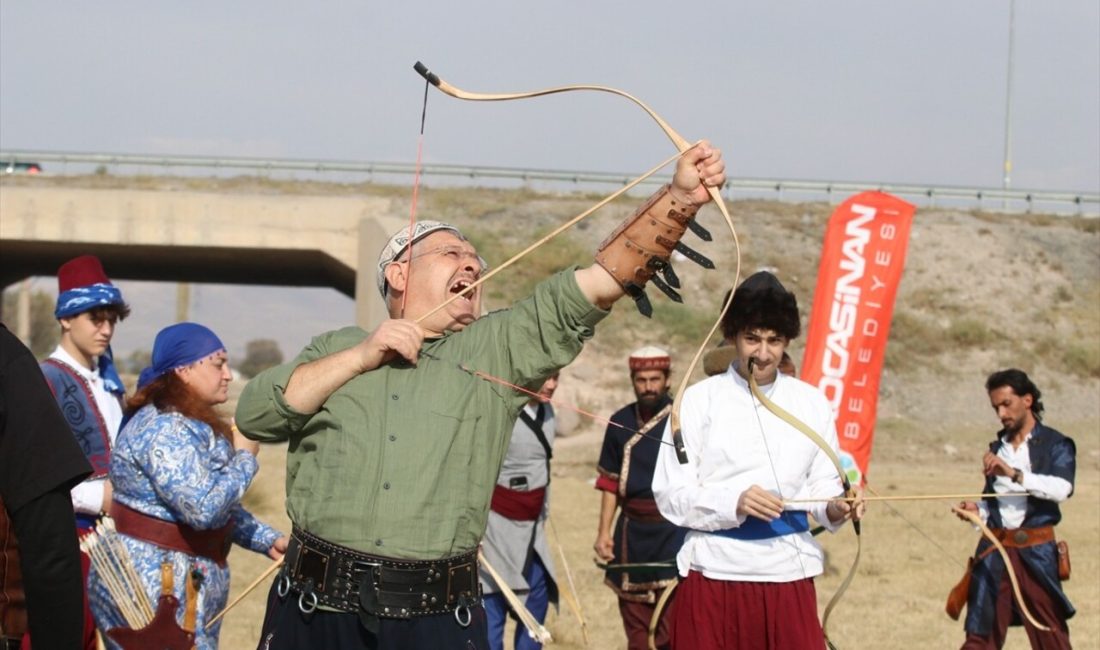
[[642, 536], [82, 376], [748, 560], [396, 442]]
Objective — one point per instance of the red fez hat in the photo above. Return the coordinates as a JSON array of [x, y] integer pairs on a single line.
[[83, 271], [649, 358]]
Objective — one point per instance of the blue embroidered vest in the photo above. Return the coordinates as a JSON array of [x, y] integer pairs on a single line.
[[74, 396]]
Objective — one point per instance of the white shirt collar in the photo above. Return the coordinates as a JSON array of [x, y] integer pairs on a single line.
[[744, 383], [61, 354]]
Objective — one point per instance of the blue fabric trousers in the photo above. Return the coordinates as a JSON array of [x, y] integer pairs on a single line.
[[538, 601]]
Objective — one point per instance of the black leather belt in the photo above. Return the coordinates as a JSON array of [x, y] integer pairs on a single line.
[[347, 580]]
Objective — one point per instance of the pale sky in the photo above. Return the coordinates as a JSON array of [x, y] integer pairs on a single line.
[[861, 91]]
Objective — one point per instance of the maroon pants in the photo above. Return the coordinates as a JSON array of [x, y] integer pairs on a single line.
[[636, 618], [1047, 610], [733, 615]]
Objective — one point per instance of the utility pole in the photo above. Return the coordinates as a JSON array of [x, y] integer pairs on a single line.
[[23, 312], [183, 301], [1008, 98]]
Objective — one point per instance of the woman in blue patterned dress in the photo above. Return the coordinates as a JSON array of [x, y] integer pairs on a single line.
[[179, 470]]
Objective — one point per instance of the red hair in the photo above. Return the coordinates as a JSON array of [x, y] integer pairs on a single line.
[[169, 393]]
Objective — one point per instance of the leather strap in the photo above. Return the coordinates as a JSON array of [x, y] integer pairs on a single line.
[[351, 581], [1023, 537], [641, 245], [536, 427], [213, 544]]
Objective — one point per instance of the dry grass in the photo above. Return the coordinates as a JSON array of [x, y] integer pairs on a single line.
[[981, 291], [896, 600]]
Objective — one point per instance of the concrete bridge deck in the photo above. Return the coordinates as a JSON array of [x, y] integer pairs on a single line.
[[191, 236]]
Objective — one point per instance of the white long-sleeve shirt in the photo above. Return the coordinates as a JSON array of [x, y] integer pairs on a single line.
[[88, 495], [733, 442], [1014, 509]]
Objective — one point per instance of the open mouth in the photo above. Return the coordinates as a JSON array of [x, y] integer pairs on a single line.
[[461, 285]]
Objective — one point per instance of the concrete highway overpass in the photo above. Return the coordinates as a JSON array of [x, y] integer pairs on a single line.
[[193, 236]]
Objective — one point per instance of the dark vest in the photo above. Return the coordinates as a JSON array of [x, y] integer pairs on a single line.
[[1052, 454], [74, 396]]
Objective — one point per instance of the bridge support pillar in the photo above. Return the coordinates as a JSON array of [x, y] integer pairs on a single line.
[[370, 310]]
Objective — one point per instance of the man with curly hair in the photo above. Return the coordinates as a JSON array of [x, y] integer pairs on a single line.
[[1033, 466], [749, 561]]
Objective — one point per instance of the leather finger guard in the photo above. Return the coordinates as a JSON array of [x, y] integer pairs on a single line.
[[641, 245]]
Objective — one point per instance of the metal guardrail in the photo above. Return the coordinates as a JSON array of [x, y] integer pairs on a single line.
[[990, 199]]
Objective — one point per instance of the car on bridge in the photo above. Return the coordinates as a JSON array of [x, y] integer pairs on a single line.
[[18, 167]]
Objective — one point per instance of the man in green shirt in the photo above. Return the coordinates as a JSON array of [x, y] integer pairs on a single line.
[[395, 445]]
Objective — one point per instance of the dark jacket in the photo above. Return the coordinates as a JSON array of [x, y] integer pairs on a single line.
[[1052, 454]]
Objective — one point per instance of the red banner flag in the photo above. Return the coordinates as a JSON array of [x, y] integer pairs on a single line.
[[861, 264]]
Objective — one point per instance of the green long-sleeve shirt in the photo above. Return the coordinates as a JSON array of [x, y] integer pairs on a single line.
[[401, 460]]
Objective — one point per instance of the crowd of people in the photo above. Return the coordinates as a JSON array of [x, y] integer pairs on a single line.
[[418, 473]]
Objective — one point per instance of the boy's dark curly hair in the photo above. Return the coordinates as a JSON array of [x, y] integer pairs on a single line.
[[762, 302]]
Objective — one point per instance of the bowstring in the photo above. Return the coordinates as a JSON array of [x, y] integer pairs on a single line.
[[556, 402], [775, 475], [415, 194]]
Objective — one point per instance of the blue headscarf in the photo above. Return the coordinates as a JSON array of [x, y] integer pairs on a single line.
[[177, 346], [81, 299]]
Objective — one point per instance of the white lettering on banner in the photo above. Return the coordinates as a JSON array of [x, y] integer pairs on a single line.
[[842, 315]]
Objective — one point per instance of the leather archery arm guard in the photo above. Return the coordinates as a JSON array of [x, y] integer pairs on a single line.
[[641, 246]]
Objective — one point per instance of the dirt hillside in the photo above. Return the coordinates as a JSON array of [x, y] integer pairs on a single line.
[[980, 292]]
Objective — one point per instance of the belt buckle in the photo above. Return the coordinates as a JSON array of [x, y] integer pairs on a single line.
[[312, 564], [1020, 536], [459, 572]]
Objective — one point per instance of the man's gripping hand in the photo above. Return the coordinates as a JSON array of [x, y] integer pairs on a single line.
[[393, 338], [699, 168]]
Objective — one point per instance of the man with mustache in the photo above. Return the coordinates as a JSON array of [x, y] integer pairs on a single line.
[[397, 436], [1026, 457], [641, 536]]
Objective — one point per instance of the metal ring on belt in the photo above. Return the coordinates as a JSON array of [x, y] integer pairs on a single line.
[[332, 576], [459, 617], [312, 607]]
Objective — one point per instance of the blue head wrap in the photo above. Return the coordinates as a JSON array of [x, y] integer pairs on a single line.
[[78, 300], [81, 299], [179, 345]]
